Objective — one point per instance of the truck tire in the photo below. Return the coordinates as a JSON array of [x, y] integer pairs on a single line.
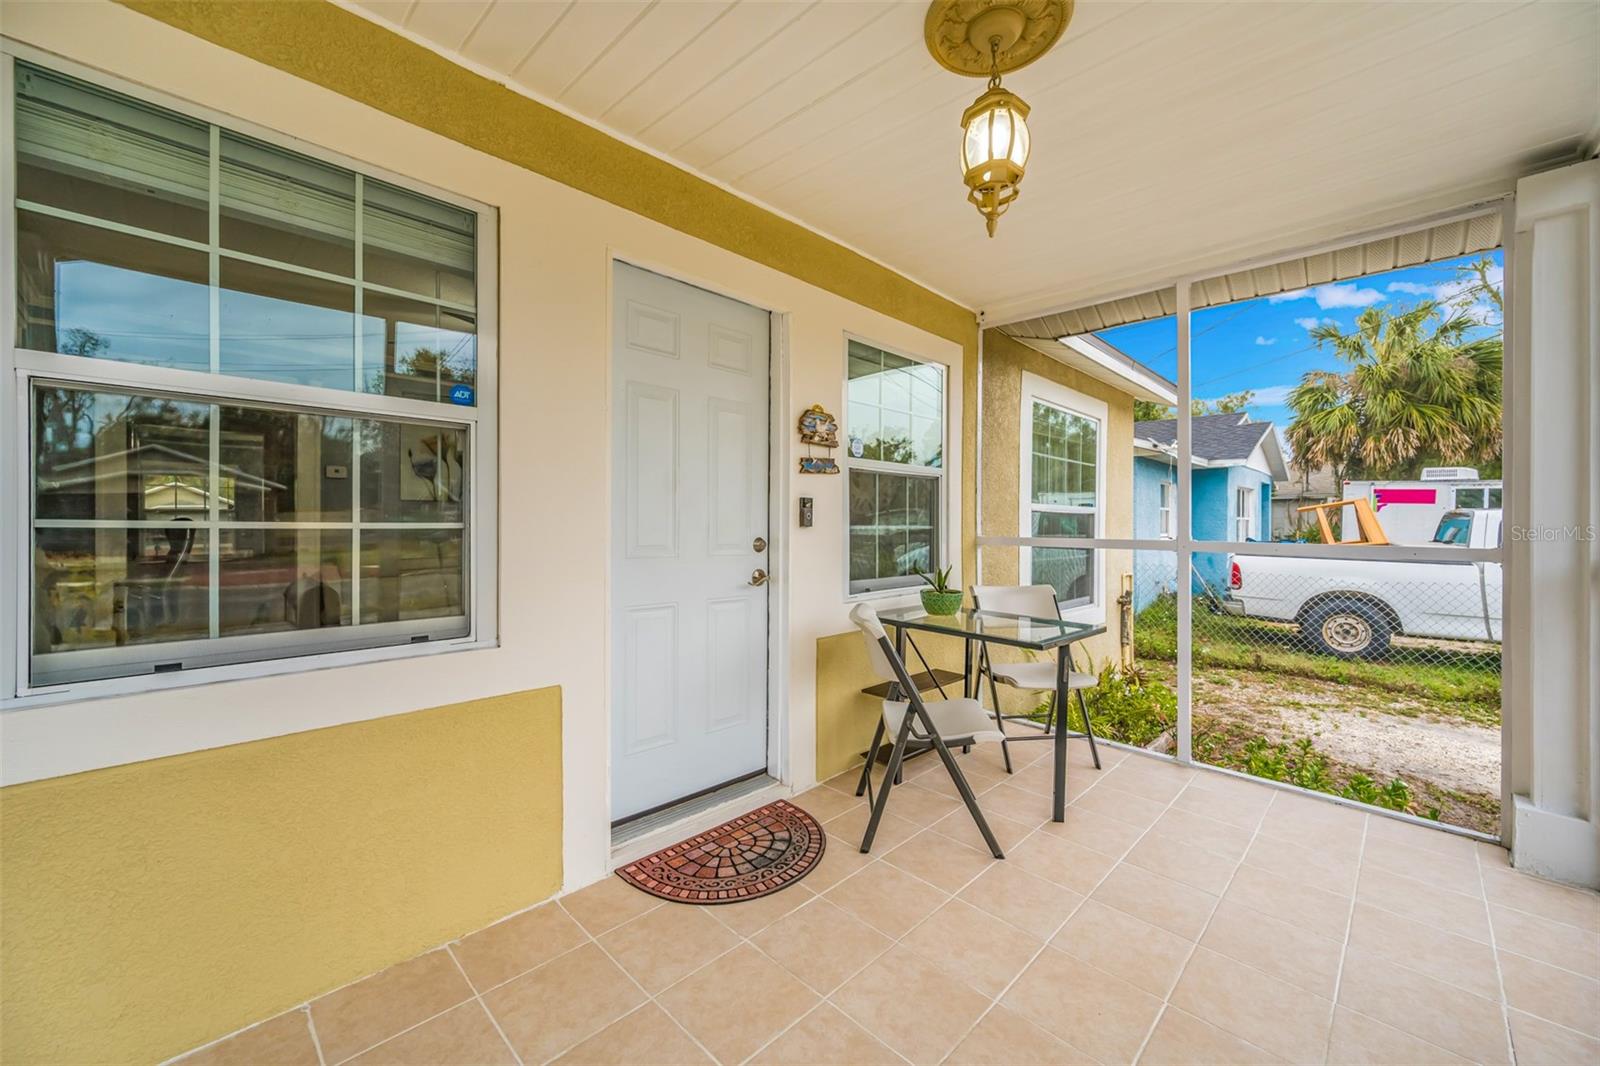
[[1347, 629]]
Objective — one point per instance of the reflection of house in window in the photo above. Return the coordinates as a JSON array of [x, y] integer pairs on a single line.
[[161, 475]]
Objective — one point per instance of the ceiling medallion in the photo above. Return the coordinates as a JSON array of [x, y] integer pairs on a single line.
[[988, 38]]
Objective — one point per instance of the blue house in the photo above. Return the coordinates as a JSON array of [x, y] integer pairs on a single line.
[[1235, 463]]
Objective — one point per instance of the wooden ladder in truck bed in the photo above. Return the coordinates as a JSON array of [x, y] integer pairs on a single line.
[[1366, 521]]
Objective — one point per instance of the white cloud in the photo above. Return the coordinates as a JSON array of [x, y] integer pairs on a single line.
[[1331, 296], [1271, 396], [1449, 295], [1313, 323], [1265, 341]]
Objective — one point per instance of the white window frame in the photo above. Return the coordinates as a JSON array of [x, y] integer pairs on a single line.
[[1244, 513], [20, 368], [946, 521], [1076, 403], [1166, 495]]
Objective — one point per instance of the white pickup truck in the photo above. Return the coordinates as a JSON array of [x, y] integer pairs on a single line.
[[1352, 607]]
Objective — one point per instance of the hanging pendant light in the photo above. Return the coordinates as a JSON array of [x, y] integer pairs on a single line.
[[994, 149], [979, 37]]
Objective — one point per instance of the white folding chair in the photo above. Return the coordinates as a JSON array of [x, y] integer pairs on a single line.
[[910, 719], [1034, 601]]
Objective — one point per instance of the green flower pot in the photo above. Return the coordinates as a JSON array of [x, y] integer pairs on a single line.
[[941, 602]]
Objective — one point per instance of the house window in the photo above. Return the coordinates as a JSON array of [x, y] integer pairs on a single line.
[[894, 429], [1244, 513], [1062, 492], [1164, 503], [252, 385]]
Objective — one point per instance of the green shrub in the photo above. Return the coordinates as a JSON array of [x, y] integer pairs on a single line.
[[1299, 764], [1126, 706], [1130, 707]]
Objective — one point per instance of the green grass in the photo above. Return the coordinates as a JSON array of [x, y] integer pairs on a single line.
[[1467, 682], [1221, 743], [1136, 709]]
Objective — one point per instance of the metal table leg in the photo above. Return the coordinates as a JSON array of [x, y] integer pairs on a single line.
[[1059, 809], [1083, 707]]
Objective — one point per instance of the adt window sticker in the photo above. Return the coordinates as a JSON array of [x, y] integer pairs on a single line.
[[463, 395]]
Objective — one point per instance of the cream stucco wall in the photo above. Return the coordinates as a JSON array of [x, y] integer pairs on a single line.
[[556, 248], [1004, 362]]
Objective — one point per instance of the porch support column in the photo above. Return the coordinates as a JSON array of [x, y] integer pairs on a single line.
[[1552, 586]]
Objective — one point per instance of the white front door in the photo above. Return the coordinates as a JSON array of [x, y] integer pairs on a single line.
[[689, 433]]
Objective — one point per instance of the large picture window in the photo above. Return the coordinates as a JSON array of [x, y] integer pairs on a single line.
[[252, 382], [1062, 442], [895, 441]]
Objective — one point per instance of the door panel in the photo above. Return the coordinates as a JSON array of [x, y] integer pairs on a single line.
[[649, 678], [736, 452], [729, 672], [651, 452], [690, 430]]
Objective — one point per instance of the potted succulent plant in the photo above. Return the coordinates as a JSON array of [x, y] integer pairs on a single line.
[[939, 597]]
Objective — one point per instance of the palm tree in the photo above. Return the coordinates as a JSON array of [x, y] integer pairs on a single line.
[[1420, 389]]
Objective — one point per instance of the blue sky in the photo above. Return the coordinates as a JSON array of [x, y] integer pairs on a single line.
[[1263, 344]]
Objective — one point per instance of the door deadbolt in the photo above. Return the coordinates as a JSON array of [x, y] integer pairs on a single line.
[[759, 577], [760, 544]]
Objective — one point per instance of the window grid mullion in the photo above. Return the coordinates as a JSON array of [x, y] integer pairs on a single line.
[[360, 300], [214, 239], [213, 522], [356, 440]]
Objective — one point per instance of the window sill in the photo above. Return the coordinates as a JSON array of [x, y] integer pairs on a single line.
[[1090, 614], [902, 597], [111, 688]]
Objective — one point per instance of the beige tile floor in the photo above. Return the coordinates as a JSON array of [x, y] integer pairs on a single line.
[[1176, 916]]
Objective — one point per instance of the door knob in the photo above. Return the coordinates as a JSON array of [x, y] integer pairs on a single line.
[[760, 544], [759, 577]]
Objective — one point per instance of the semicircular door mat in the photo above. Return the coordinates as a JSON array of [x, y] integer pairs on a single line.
[[752, 855]]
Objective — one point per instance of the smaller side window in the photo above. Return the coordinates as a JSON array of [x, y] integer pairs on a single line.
[[1243, 514], [894, 458], [1167, 531]]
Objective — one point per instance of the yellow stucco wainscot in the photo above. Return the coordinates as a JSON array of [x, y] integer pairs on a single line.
[[147, 908]]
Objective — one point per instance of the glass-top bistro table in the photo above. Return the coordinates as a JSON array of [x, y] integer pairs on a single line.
[[1011, 630]]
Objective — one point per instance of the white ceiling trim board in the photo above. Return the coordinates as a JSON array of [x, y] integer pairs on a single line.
[[1471, 209]]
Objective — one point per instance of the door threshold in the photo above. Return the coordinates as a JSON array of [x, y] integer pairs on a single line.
[[694, 815]]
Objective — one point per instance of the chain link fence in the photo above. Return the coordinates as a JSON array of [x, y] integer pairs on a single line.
[[1378, 681]]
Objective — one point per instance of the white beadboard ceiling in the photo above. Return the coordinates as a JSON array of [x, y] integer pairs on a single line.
[[1169, 138]]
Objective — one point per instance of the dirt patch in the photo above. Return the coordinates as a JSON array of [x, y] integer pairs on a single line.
[[1451, 764]]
